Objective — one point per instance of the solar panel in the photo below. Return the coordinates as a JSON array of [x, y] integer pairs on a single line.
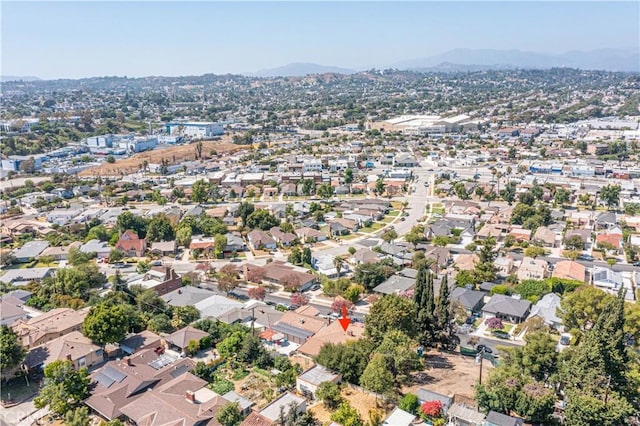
[[114, 374], [292, 330], [104, 380]]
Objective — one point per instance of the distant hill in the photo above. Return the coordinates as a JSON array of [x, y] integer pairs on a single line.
[[17, 78], [300, 69], [601, 59]]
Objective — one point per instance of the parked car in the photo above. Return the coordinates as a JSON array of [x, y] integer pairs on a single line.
[[501, 334], [586, 257], [315, 287], [565, 339], [119, 265], [293, 307], [484, 348]]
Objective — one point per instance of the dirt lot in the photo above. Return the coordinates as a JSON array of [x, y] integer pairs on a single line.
[[449, 374], [175, 155], [360, 401]]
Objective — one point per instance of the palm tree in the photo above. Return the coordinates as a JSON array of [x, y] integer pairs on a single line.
[[338, 262]]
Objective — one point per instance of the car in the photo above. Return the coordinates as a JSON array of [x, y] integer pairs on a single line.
[[270, 303], [636, 263], [586, 257], [484, 348], [501, 334], [565, 339], [470, 321], [156, 263], [293, 307], [119, 265], [235, 259], [315, 287]]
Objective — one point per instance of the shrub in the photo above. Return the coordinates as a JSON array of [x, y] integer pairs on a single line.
[[494, 323]]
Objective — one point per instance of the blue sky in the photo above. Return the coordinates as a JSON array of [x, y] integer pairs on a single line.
[[80, 39]]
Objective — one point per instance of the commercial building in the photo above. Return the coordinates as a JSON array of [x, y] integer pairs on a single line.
[[196, 130]]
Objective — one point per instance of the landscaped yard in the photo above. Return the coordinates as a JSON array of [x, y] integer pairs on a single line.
[[358, 400], [388, 219], [374, 227], [17, 390], [394, 213]]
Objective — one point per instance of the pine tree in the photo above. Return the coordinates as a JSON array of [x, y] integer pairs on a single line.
[[425, 299], [443, 312]]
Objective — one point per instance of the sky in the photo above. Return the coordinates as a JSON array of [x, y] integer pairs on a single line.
[[72, 39]]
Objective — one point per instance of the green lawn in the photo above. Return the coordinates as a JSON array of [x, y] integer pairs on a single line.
[[394, 213], [374, 227], [349, 237], [17, 390], [388, 219]]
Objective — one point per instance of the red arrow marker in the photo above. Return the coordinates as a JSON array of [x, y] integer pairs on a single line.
[[345, 320]]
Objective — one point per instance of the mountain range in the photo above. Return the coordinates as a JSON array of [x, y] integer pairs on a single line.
[[6, 78], [627, 60]]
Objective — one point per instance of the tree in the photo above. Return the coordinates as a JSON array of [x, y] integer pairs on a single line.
[[64, 387], [329, 394], [485, 269], [443, 313], [220, 244], [389, 235], [160, 323], [227, 278], [610, 194], [338, 263], [391, 312], [346, 415], [349, 359], [380, 187], [377, 377], [306, 256], [184, 235], [339, 303], [200, 191], [11, 351], [424, 299], [244, 211], [299, 299], [258, 293], [431, 409], [77, 417], [538, 358], [353, 292], [105, 324], [574, 242], [399, 352], [372, 274], [494, 323], [348, 175], [561, 196], [128, 221], [409, 403], [580, 309], [229, 414], [143, 266], [325, 191], [534, 251], [160, 228], [262, 219]]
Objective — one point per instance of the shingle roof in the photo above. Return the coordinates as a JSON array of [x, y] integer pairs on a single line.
[[502, 304]]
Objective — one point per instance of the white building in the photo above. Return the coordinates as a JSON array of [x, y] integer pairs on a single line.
[[196, 130]]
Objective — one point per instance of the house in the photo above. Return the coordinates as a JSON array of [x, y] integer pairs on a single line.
[[606, 220], [545, 236], [256, 419], [333, 333], [466, 262], [29, 251], [260, 240], [506, 308], [395, 284], [235, 243], [186, 296], [60, 253], [130, 245], [498, 419], [504, 266], [606, 278], [532, 269], [124, 381], [11, 310], [278, 272], [179, 340], [50, 325], [297, 328], [310, 235], [216, 306], [462, 415], [547, 308], [285, 239], [161, 280], [72, 347], [570, 270], [425, 395], [399, 417], [285, 402], [471, 300], [20, 277], [364, 255], [100, 248], [613, 240], [63, 193], [244, 404], [164, 248], [140, 341], [307, 383]]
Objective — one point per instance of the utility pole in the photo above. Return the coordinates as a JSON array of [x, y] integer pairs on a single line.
[[479, 358]]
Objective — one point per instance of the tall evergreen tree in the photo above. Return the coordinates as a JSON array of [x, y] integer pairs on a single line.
[[443, 311], [425, 300]]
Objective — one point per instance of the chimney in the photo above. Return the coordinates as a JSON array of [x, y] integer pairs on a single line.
[[191, 396], [68, 357], [127, 361]]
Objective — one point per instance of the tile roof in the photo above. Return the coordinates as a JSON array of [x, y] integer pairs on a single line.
[[333, 333]]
